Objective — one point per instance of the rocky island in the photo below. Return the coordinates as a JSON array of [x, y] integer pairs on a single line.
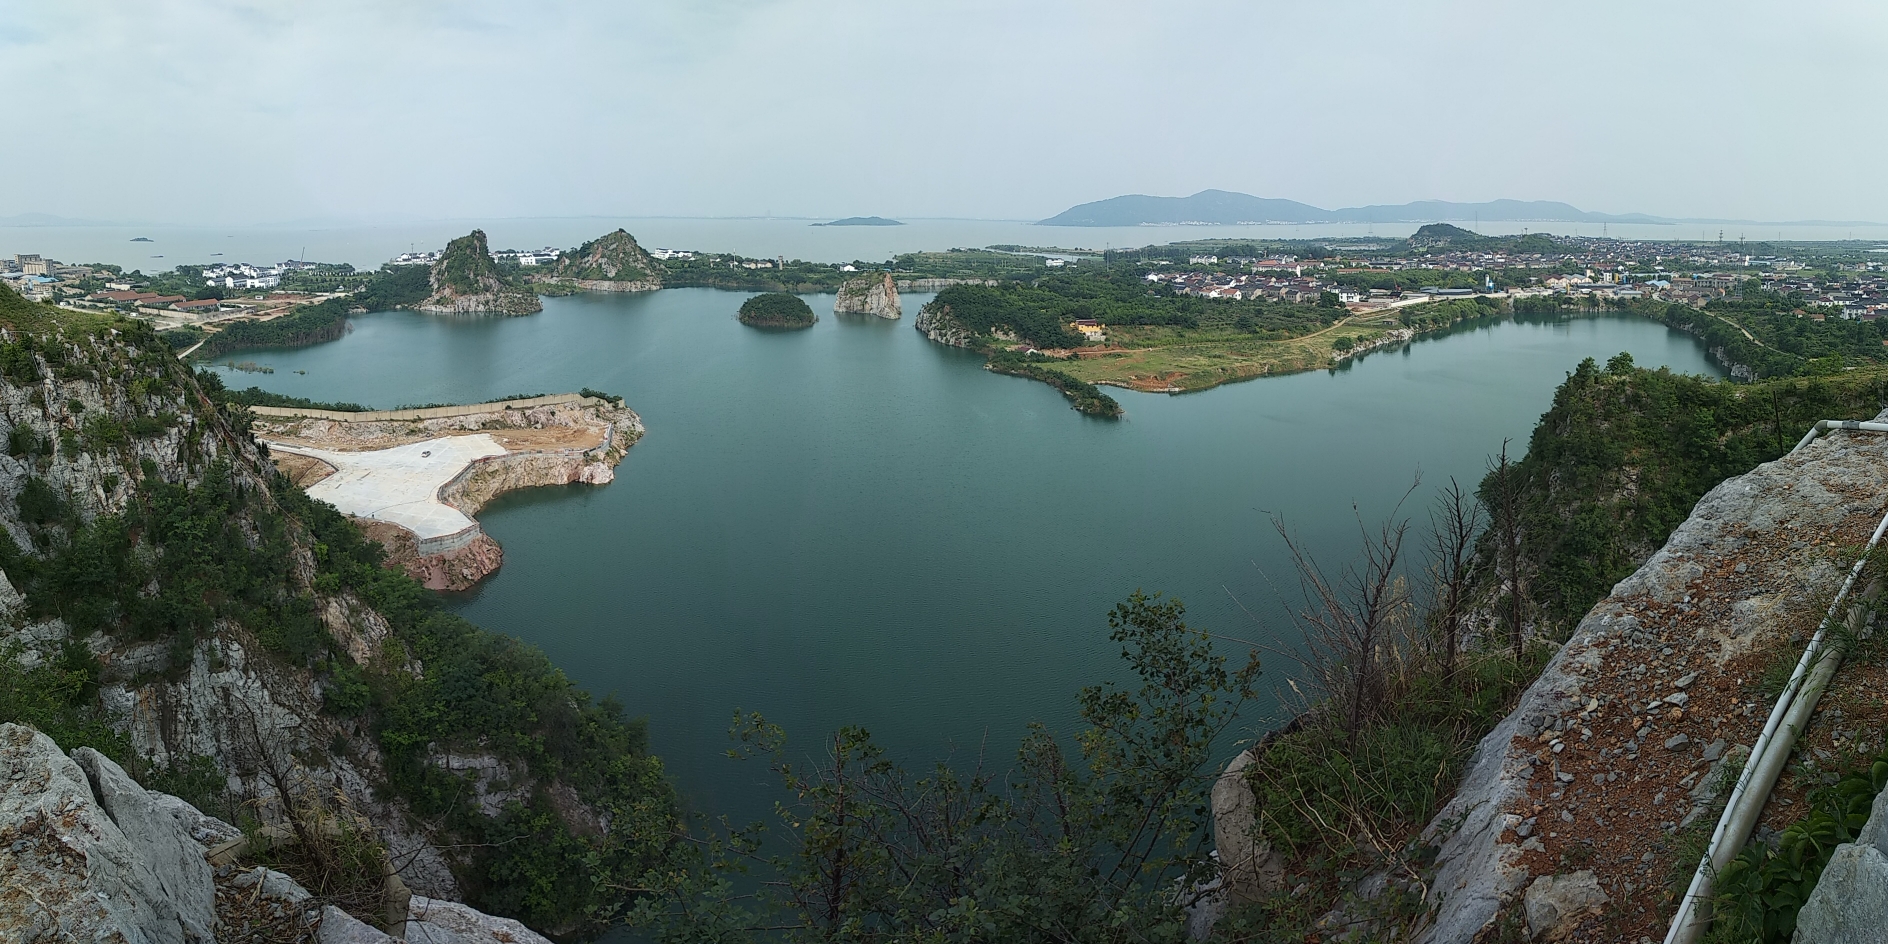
[[875, 294], [413, 479], [777, 310], [465, 281], [610, 263]]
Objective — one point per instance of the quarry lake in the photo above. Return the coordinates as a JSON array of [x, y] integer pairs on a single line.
[[853, 525]]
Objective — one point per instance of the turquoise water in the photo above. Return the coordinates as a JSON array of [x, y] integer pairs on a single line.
[[850, 524]]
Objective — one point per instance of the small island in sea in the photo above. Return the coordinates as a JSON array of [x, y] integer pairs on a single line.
[[862, 221], [141, 239], [777, 310]]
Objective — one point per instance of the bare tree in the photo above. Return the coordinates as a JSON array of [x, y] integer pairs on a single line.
[[1504, 505], [1357, 623], [1454, 522]]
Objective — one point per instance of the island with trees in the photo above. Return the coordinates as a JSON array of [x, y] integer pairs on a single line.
[[777, 310], [614, 262]]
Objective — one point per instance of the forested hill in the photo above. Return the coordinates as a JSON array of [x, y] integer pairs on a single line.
[[614, 257], [1624, 453]]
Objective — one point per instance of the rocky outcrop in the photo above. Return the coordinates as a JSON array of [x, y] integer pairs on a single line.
[[465, 281], [72, 872], [874, 295], [611, 263], [86, 854], [1625, 735], [1850, 903], [935, 322]]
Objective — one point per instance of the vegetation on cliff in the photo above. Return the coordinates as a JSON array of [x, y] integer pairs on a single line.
[[214, 544], [613, 257], [777, 310], [1621, 457], [467, 280]]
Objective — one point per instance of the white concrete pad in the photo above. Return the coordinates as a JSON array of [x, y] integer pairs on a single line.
[[399, 485]]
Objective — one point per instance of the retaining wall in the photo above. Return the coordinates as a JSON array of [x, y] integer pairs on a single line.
[[430, 412]]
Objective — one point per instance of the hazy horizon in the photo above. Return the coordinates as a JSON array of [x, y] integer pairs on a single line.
[[238, 113]]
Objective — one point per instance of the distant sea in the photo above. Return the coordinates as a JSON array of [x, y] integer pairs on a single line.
[[369, 246]]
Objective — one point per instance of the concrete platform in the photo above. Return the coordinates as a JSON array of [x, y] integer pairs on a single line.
[[399, 485]]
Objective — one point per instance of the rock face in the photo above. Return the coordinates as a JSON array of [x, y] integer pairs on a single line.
[[1627, 729], [611, 263], [89, 855], [874, 295], [71, 869], [935, 322], [1850, 903], [466, 281]]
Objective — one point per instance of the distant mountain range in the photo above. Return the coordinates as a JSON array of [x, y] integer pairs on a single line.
[[1227, 207]]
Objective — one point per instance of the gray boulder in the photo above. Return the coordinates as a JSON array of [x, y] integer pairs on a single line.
[[431, 921], [159, 838], [339, 927], [1555, 903], [66, 864], [1850, 903]]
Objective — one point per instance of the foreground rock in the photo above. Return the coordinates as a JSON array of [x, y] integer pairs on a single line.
[[1850, 903], [86, 854], [1627, 734], [875, 295]]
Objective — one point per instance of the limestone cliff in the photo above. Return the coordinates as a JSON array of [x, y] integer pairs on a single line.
[[936, 322], [220, 624], [876, 294], [466, 281], [611, 263]]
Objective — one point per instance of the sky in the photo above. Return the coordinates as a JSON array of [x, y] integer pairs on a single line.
[[235, 112]]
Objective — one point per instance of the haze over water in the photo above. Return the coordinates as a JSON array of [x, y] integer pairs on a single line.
[[853, 525]]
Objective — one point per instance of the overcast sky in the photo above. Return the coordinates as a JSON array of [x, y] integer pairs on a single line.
[[244, 112]]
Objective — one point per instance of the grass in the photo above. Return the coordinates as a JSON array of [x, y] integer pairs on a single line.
[[1162, 357]]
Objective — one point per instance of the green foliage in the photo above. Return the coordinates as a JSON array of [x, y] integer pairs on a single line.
[[777, 310], [1082, 846], [1761, 892], [1441, 314], [256, 396], [466, 267], [600, 395], [309, 324], [1784, 341], [59, 697], [1083, 396], [1621, 457]]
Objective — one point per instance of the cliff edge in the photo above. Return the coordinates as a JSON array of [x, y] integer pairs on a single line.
[[876, 295]]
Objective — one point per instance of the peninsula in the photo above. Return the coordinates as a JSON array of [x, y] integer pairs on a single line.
[[412, 479]]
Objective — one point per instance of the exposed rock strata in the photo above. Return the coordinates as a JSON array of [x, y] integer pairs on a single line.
[[874, 295], [936, 322], [557, 444]]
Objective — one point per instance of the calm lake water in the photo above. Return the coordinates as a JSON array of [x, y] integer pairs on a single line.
[[852, 525]]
